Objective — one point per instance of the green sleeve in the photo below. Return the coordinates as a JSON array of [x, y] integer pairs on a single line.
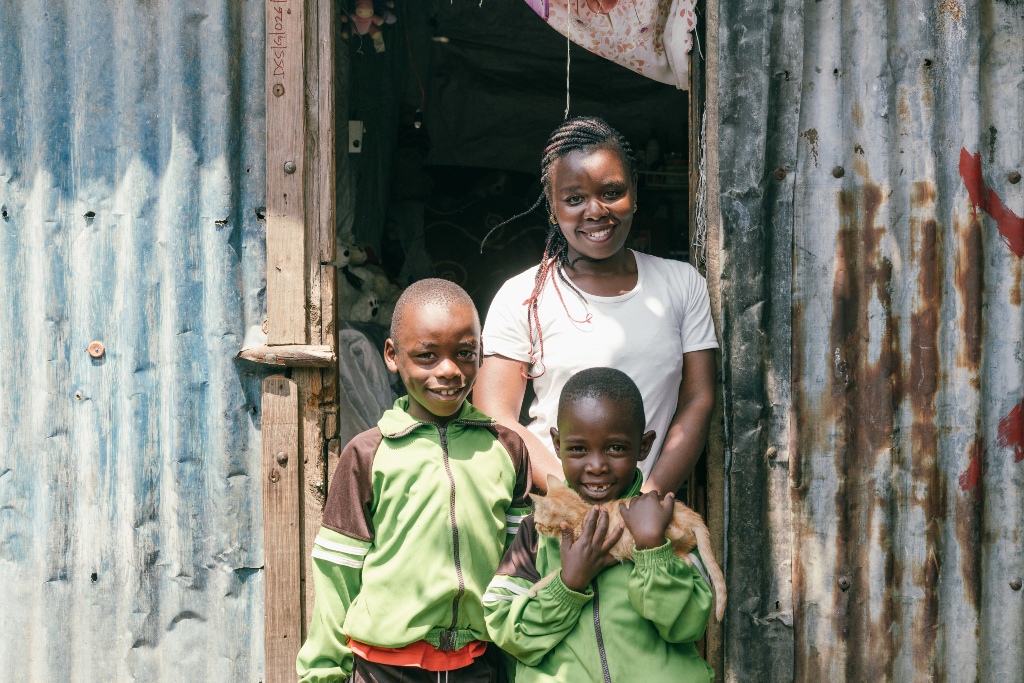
[[513, 517], [670, 593], [337, 577], [527, 627]]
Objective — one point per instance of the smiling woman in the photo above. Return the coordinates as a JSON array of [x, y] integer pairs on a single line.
[[592, 302]]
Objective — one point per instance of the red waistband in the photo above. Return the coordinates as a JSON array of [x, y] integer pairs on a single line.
[[421, 655]]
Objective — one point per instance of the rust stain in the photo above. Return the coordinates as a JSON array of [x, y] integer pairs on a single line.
[[970, 513], [970, 285], [953, 9], [858, 114], [924, 377], [903, 109], [865, 396], [811, 135]]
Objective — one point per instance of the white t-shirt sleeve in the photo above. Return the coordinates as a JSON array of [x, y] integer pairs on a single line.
[[698, 326], [505, 330]]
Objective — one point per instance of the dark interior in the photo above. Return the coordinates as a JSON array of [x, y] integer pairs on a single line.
[[488, 83]]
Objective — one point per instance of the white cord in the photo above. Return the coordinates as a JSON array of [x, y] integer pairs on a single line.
[[568, 60], [699, 256]]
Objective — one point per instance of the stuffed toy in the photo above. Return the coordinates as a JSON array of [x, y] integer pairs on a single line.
[[366, 22], [365, 294]]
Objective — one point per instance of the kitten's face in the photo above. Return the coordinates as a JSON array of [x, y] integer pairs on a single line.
[[561, 504]]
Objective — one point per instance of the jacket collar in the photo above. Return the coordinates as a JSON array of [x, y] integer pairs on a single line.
[[634, 488], [398, 422]]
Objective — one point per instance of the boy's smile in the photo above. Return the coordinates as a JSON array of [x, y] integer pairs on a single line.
[[438, 355], [599, 444]]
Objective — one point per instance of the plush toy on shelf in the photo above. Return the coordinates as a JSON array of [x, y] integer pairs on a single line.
[[366, 21], [365, 294]]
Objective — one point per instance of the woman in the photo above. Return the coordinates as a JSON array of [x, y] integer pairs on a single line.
[[591, 303]]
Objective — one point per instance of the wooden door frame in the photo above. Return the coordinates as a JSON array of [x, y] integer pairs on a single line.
[[299, 415], [703, 101]]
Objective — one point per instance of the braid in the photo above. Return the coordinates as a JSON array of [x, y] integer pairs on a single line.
[[582, 132]]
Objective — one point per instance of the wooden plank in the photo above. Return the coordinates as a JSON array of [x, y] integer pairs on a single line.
[[286, 239], [314, 471], [313, 156], [292, 355], [281, 532], [716, 438], [328, 194]]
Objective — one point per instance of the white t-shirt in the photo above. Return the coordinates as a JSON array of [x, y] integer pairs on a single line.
[[643, 333]]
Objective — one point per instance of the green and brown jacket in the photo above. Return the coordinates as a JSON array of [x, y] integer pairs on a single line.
[[637, 621], [417, 519]]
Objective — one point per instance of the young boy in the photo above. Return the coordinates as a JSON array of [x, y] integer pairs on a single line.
[[632, 621], [419, 513]]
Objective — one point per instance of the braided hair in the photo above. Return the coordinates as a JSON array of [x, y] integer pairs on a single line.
[[581, 132]]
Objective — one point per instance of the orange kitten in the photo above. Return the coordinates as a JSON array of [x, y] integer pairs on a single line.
[[686, 531]]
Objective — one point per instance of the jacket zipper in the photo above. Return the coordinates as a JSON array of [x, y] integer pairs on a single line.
[[600, 640], [448, 638]]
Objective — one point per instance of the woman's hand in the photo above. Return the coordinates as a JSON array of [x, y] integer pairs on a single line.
[[647, 517], [584, 559]]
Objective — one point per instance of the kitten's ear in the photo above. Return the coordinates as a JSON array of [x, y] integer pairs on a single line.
[[554, 482]]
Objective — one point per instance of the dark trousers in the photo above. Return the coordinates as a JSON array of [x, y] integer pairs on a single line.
[[487, 668]]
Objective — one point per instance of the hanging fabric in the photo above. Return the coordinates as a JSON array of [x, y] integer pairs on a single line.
[[650, 37]]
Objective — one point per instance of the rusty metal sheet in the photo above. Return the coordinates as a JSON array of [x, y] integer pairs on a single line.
[[906, 426], [131, 165]]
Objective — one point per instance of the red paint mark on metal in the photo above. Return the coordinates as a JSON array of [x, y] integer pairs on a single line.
[[1011, 226], [1011, 431], [971, 477]]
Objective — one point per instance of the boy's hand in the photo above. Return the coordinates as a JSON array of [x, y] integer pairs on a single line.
[[647, 518], [584, 559]]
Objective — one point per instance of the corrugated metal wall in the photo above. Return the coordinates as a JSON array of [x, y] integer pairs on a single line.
[[873, 328], [130, 514]]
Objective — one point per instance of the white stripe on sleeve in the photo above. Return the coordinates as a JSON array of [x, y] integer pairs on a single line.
[[340, 547], [321, 555], [494, 597], [509, 586], [515, 519]]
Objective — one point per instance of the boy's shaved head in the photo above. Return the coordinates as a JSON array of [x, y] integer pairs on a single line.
[[422, 293], [608, 383]]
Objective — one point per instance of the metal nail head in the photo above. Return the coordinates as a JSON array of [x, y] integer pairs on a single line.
[[289, 167], [844, 584], [278, 90], [1015, 584], [78, 395], [282, 458], [96, 349], [780, 173], [838, 172], [274, 476], [773, 453], [1014, 177]]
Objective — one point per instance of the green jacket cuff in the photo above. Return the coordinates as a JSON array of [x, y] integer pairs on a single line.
[[567, 596], [654, 557]]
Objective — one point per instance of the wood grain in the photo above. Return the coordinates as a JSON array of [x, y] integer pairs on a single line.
[[292, 355], [314, 471], [286, 232], [281, 528]]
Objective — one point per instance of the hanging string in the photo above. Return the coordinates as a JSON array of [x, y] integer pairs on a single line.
[[568, 60]]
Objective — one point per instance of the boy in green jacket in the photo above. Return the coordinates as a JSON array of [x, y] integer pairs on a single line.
[[632, 621], [420, 511]]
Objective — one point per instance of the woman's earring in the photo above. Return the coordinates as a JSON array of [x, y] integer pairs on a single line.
[[634, 207], [554, 221]]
